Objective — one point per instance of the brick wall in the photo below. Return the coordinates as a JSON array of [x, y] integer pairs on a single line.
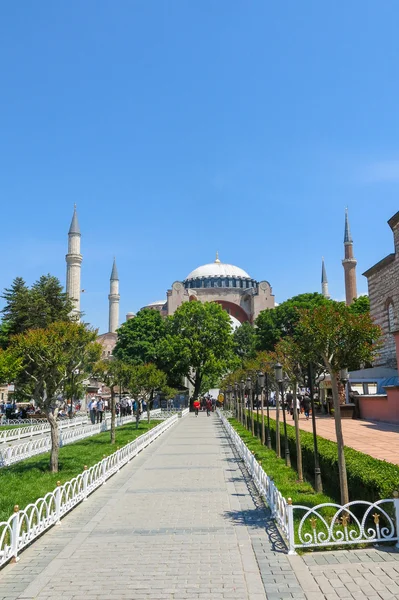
[[383, 286]]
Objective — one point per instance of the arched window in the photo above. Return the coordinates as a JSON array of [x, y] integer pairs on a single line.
[[391, 317]]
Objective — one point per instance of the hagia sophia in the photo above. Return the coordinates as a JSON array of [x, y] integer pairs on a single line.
[[230, 286]]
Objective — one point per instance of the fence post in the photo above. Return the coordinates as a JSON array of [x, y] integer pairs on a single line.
[[291, 531], [104, 469], [15, 535], [396, 505], [58, 504], [85, 477]]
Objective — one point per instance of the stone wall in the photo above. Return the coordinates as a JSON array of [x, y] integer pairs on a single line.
[[383, 287]]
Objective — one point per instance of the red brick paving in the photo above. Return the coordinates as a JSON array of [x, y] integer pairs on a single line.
[[380, 440]]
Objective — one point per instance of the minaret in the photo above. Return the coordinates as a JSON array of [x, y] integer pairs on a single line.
[[74, 261], [324, 282], [349, 263], [114, 300]]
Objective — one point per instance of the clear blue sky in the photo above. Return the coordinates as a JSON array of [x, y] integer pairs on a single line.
[[182, 127]]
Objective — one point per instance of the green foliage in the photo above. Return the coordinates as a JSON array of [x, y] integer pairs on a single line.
[[10, 366], [360, 306], [28, 480], [139, 338], [334, 337], [50, 359], [145, 380], [198, 342], [368, 478], [274, 323], [245, 341], [285, 478], [35, 308]]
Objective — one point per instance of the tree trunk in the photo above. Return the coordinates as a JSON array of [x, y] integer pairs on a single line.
[[55, 442], [278, 444], [251, 396], [149, 404], [197, 385], [299, 466], [343, 479], [262, 408], [113, 415]]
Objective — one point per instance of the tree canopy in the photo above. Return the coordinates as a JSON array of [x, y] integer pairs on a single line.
[[139, 338], [198, 342], [33, 308], [245, 341], [276, 323], [49, 360]]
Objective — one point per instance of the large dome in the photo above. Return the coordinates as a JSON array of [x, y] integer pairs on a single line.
[[218, 269]]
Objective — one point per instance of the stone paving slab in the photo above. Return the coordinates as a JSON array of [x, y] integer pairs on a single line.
[[183, 521]]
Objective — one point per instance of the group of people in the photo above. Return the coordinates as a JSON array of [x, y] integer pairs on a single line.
[[123, 408], [302, 404], [206, 403]]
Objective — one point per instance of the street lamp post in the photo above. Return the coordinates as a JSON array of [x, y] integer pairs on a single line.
[[317, 472], [268, 437], [251, 406], [279, 378], [243, 413], [344, 377], [229, 397], [256, 395], [261, 383], [237, 401]]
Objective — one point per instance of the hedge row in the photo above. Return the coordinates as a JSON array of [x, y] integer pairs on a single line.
[[368, 478]]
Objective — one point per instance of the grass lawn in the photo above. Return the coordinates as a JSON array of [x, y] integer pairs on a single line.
[[30, 479], [5, 427], [285, 478], [286, 481]]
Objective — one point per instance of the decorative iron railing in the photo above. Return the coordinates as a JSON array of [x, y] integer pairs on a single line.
[[326, 525], [10, 454], [26, 525]]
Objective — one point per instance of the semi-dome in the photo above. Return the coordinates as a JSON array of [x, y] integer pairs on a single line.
[[217, 269]]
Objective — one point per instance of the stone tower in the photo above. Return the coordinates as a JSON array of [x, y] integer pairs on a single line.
[[349, 263], [324, 282], [114, 300], [74, 262]]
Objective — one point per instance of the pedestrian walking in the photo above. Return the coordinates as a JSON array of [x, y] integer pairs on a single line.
[[306, 406], [100, 410], [208, 406], [196, 405], [298, 407], [92, 410]]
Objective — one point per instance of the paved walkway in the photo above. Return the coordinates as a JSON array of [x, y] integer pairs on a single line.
[[183, 522], [380, 440]]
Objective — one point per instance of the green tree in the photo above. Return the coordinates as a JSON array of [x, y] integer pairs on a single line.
[[245, 341], [334, 337], [10, 366], [360, 306], [288, 353], [275, 323], [35, 308], [48, 359], [144, 381], [139, 338], [198, 343], [113, 373]]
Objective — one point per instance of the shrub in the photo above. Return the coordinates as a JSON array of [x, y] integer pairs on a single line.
[[368, 478]]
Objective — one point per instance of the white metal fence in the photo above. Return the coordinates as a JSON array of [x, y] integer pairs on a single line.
[[27, 524], [326, 525], [15, 453], [19, 433]]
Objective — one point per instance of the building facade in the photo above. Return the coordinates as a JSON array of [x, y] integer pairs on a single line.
[[383, 288], [233, 288]]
